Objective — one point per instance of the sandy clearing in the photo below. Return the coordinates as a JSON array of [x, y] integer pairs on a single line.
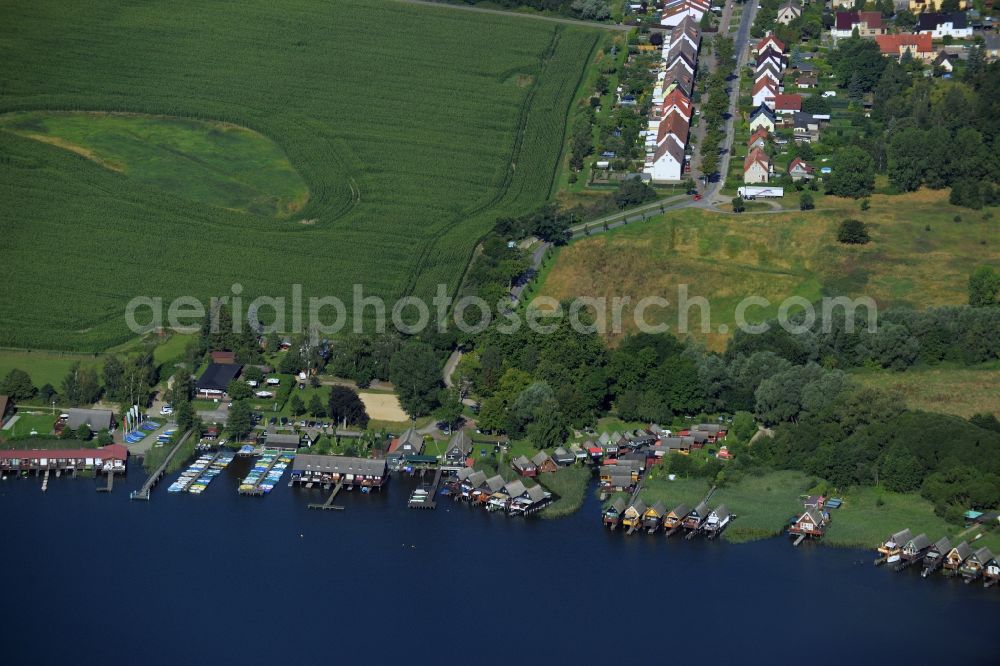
[[383, 406]]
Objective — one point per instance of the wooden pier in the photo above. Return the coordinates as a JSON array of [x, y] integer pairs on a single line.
[[328, 505], [147, 487], [423, 497], [45, 481], [110, 484]]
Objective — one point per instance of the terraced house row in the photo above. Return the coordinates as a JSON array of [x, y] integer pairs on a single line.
[[672, 110], [768, 102]]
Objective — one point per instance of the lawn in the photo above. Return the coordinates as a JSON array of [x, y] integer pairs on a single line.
[[863, 521], [41, 422], [951, 389], [44, 367], [918, 257], [413, 128], [210, 162]]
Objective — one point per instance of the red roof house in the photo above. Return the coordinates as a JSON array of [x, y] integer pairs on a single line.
[[787, 104]]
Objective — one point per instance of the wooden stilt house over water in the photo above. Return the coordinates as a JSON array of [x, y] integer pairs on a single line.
[[717, 520], [676, 516], [935, 555], [524, 467], [915, 549], [811, 523], [544, 463], [892, 546], [992, 573], [633, 514], [697, 516], [975, 565], [956, 557], [613, 514], [652, 517], [485, 491]]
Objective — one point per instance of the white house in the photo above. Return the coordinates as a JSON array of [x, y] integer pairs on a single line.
[[788, 12], [939, 26], [675, 11], [756, 167]]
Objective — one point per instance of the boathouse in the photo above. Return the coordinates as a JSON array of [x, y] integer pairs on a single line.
[[501, 499], [531, 500], [894, 544], [697, 516], [975, 565], [544, 463], [633, 514], [111, 458], [811, 523], [283, 443], [524, 467], [957, 556], [992, 573], [653, 516], [563, 457], [613, 513], [363, 472], [488, 488], [915, 548], [934, 557], [718, 519], [676, 516], [95, 419]]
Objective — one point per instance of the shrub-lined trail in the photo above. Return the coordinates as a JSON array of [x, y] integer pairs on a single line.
[[411, 141]]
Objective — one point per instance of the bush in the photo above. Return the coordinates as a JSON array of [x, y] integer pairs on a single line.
[[853, 232], [806, 202], [738, 205]]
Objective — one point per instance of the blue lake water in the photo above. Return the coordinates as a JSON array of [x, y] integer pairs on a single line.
[[96, 578]]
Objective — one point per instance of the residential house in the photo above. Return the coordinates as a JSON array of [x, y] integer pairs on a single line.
[[919, 47], [806, 81], [676, 11], [868, 25], [939, 26], [799, 170], [677, 444], [758, 140], [787, 105], [762, 118], [957, 556], [764, 92], [544, 463], [768, 40], [409, 444], [756, 169], [975, 565], [769, 70], [633, 514], [283, 442], [945, 61], [918, 7], [458, 451], [613, 513], [805, 127], [991, 47], [223, 357], [772, 56], [675, 517], [524, 467], [788, 12]]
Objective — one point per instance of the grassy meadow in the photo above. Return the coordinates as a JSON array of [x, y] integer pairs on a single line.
[[918, 256], [209, 162], [410, 142], [950, 389]]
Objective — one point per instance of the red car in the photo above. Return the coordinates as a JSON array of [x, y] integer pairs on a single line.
[[697, 197]]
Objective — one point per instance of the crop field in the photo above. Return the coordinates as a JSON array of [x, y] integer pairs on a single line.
[[178, 148], [919, 256], [962, 391]]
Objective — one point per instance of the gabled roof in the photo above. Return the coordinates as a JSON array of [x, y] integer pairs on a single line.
[[761, 133], [942, 545], [918, 543], [770, 38], [673, 123], [410, 441], [963, 550], [892, 44], [787, 102], [522, 462], [461, 442], [536, 493], [540, 458], [814, 515], [638, 506], [847, 20], [617, 504], [658, 508], [931, 20], [720, 512], [764, 82], [218, 375], [767, 67], [680, 510], [757, 156], [799, 163], [514, 489], [495, 483], [96, 419], [983, 555]]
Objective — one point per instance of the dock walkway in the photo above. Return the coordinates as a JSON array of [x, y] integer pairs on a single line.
[[147, 488], [423, 497], [328, 505]]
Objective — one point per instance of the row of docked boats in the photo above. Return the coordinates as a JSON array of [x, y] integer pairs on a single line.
[[195, 479], [265, 474], [637, 515], [903, 549]]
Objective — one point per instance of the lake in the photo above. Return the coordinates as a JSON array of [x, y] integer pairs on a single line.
[[97, 578]]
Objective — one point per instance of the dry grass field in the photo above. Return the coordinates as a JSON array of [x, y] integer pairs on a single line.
[[919, 256], [949, 389]]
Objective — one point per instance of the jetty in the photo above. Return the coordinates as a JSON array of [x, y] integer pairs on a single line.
[[45, 481], [328, 505], [423, 497], [260, 481], [157, 474], [110, 484]]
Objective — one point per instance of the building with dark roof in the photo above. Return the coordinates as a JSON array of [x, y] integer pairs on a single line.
[[215, 380]]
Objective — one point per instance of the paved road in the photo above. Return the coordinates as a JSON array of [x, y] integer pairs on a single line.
[[537, 17]]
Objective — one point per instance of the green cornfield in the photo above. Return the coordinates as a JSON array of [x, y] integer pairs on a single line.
[[413, 127]]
